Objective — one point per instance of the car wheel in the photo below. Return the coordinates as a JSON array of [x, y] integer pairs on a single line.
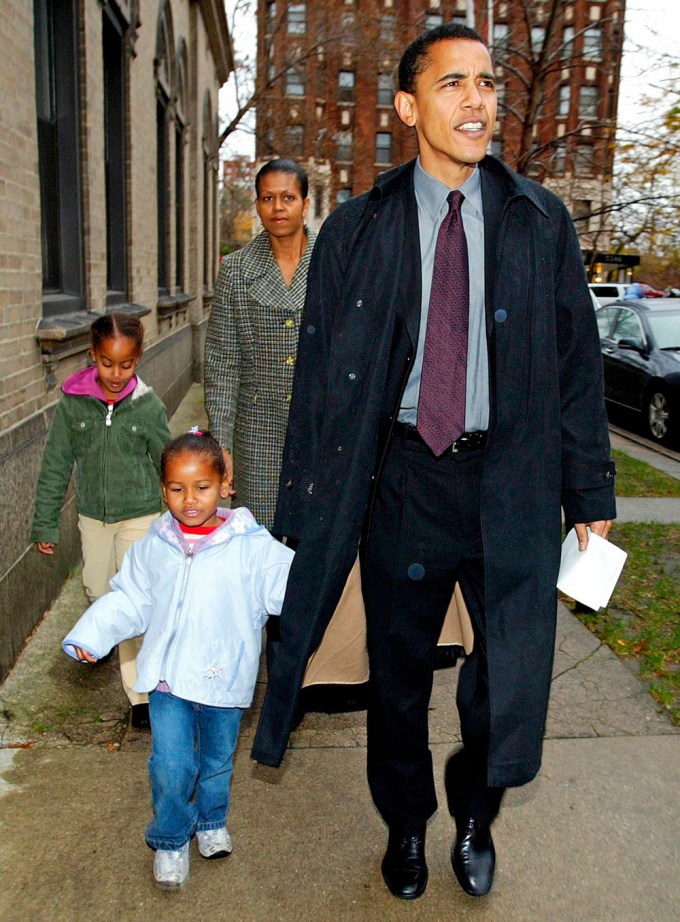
[[658, 415]]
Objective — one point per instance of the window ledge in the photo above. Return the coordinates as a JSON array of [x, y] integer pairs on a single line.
[[173, 304]]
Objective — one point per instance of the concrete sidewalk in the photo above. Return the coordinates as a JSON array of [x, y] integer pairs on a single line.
[[594, 838]]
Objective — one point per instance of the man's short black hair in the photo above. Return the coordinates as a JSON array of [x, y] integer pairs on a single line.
[[416, 57]]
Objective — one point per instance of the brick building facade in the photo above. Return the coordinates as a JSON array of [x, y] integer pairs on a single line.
[[325, 72], [108, 200]]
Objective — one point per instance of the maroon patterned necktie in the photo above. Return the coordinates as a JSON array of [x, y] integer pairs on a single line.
[[441, 405]]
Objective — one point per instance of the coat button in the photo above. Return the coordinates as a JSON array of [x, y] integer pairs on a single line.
[[352, 376], [359, 303], [339, 448], [290, 360], [289, 322], [289, 484], [311, 329], [500, 316]]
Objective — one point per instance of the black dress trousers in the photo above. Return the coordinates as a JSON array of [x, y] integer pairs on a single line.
[[424, 536]]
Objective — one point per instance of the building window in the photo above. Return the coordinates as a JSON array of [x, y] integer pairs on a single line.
[[318, 202], [388, 28], [162, 191], [297, 18], [589, 98], [210, 159], [583, 160], [385, 90], [559, 158], [383, 147], [295, 82], [294, 139], [114, 157], [567, 49], [345, 142], [501, 36], [592, 43], [57, 105], [565, 99], [537, 39], [432, 20], [342, 195], [346, 80], [179, 206], [580, 209]]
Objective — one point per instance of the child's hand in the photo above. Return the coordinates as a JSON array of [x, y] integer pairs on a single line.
[[46, 547], [229, 471], [84, 656]]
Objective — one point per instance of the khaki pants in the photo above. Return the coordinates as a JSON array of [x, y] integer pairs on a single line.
[[104, 546]]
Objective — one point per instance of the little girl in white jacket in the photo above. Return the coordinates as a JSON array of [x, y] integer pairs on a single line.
[[200, 586]]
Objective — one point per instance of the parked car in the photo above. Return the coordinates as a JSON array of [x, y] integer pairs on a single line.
[[640, 343], [650, 292], [606, 292]]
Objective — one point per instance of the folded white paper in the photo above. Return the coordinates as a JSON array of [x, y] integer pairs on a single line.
[[590, 576]]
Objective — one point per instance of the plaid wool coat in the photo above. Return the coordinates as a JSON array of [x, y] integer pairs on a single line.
[[250, 350]]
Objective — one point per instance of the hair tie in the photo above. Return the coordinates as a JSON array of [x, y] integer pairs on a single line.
[[194, 430]]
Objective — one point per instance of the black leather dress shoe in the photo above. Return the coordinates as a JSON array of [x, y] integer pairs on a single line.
[[473, 857], [404, 868]]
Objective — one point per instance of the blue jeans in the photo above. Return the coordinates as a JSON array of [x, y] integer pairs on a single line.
[[192, 756]]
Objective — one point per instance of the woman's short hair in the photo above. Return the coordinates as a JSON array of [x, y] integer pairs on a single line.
[[282, 165]]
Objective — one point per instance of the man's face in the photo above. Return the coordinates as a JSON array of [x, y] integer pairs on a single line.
[[453, 109]]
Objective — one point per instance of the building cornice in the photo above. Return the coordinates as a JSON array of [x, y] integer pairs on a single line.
[[215, 20]]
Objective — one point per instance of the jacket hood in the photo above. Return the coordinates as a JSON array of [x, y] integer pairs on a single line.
[[235, 522], [84, 384]]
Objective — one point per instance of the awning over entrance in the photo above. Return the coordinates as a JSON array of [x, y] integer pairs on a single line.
[[609, 267]]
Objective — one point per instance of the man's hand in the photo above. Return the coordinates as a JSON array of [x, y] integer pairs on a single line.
[[84, 656], [46, 547], [600, 528]]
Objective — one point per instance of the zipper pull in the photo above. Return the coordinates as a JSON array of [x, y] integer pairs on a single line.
[[109, 414]]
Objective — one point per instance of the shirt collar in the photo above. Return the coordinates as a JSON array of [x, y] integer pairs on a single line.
[[431, 193]]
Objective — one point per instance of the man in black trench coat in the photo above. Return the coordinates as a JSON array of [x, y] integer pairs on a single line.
[[484, 512]]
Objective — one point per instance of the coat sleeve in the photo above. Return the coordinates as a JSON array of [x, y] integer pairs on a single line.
[[159, 435], [587, 470], [55, 473], [310, 382], [120, 614], [223, 358]]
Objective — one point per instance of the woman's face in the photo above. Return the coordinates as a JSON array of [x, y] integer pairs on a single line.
[[280, 204]]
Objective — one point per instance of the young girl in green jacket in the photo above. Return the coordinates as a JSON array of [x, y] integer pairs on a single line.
[[113, 427]]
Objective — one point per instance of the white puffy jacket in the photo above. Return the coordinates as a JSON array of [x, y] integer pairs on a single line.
[[201, 609]]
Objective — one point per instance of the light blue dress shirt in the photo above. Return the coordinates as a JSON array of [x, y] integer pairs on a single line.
[[433, 207]]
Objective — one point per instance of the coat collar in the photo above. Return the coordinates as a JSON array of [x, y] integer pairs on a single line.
[[262, 275], [496, 177]]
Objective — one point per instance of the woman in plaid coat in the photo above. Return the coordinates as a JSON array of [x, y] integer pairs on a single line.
[[252, 335]]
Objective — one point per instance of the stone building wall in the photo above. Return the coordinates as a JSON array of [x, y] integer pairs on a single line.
[[38, 349]]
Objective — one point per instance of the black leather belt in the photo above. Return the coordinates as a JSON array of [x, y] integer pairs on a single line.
[[468, 441]]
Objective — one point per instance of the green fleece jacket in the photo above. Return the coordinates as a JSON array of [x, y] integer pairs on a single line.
[[117, 464]]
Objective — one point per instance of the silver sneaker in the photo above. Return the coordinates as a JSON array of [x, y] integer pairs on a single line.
[[171, 868], [214, 843]]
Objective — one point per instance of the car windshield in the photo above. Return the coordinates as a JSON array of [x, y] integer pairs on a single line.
[[666, 330]]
